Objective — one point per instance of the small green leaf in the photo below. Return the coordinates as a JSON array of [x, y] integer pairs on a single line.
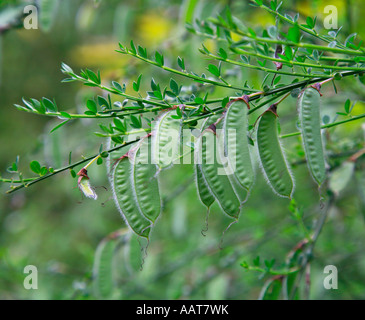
[[181, 63], [65, 115], [222, 53], [59, 125], [213, 69], [103, 102], [136, 85], [159, 58], [142, 52], [117, 140], [135, 122], [199, 100], [225, 101], [158, 94], [178, 113], [277, 80], [73, 173], [252, 32], [65, 68], [204, 49], [92, 76], [153, 85], [325, 119], [91, 105], [256, 261], [43, 171], [269, 264], [245, 59], [133, 47], [49, 105], [38, 106], [347, 106], [89, 113], [289, 53], [119, 125], [170, 94], [174, 87], [294, 34], [310, 22], [35, 166], [117, 86]]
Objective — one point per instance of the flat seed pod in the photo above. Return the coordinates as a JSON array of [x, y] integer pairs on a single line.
[[360, 179], [204, 193], [145, 182], [125, 199], [273, 162], [241, 192], [236, 143], [310, 122], [216, 179], [103, 268], [166, 139]]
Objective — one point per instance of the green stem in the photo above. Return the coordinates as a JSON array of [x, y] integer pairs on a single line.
[[280, 91], [92, 161], [249, 47], [17, 181], [303, 64], [326, 126], [105, 135], [251, 38], [246, 65], [272, 272], [71, 166], [181, 73], [309, 31]]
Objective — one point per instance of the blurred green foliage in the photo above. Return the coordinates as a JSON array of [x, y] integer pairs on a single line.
[[50, 226]]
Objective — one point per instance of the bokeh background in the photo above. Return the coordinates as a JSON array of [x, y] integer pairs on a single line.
[[51, 226]]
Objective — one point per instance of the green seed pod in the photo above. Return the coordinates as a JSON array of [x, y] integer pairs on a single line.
[[236, 144], [273, 163], [103, 268], [145, 181], [125, 199], [166, 139], [310, 122], [217, 181], [205, 196], [204, 193], [360, 179]]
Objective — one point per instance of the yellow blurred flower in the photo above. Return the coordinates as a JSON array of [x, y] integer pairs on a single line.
[[316, 8], [99, 55], [261, 18], [153, 28], [210, 44]]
